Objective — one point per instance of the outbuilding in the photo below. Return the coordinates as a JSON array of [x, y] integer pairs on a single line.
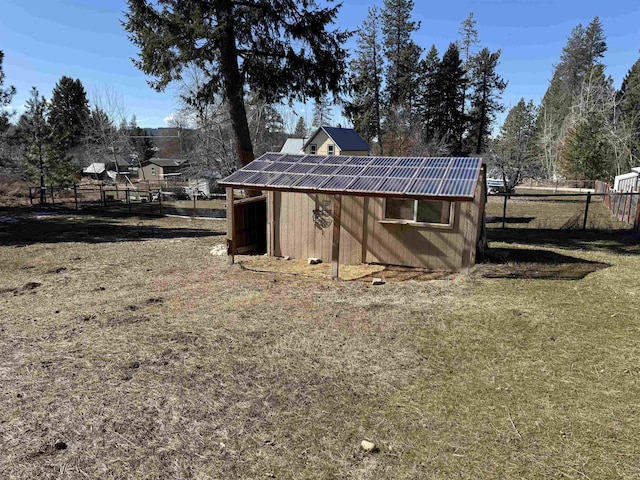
[[416, 211]]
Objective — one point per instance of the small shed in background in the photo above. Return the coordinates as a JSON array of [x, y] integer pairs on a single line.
[[417, 212]]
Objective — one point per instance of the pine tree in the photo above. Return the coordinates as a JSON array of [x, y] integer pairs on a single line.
[[468, 40], [402, 55], [580, 61], [322, 112], [41, 160], [587, 152], [68, 115], [514, 146], [6, 94], [301, 129], [448, 86], [140, 143], [428, 94], [277, 48], [487, 87], [365, 80], [629, 96]]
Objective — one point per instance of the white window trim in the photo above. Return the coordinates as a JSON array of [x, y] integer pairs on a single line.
[[331, 149], [414, 222], [313, 149]]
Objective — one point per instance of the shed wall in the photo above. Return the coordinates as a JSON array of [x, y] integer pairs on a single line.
[[303, 228]]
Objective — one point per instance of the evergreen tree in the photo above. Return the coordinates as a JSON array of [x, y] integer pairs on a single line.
[[402, 56], [140, 142], [587, 152], [468, 39], [365, 80], [301, 129], [40, 157], [514, 150], [428, 93], [448, 86], [279, 49], [6, 94], [68, 115], [580, 62], [487, 87], [322, 112], [629, 96]]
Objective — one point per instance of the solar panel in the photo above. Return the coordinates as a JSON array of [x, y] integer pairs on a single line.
[[337, 183], [423, 186], [285, 180], [262, 178], [411, 176], [325, 169], [350, 170], [257, 165], [277, 167], [335, 160], [272, 156], [376, 171], [410, 162], [384, 161], [359, 161], [301, 168], [366, 184], [312, 158], [402, 172]]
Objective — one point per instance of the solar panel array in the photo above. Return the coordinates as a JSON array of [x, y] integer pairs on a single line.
[[411, 176]]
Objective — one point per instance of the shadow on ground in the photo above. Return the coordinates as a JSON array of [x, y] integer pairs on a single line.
[[625, 242], [24, 226], [538, 264]]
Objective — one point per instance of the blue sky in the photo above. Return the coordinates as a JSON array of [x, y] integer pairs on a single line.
[[45, 39]]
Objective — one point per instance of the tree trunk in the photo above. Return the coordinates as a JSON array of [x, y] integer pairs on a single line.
[[233, 84]]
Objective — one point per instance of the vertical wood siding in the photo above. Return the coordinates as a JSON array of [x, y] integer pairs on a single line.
[[303, 228]]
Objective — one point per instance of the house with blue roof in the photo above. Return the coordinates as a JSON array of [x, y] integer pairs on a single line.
[[336, 141]]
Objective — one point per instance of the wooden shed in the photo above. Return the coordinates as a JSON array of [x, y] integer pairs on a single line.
[[417, 212]]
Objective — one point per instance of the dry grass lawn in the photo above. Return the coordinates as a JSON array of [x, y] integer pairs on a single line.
[[128, 351]]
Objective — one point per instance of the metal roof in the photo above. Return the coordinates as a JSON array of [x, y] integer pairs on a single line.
[[451, 178], [344, 138]]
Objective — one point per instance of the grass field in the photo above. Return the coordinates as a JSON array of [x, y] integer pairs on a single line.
[[128, 351]]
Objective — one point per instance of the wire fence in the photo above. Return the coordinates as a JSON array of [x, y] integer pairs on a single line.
[[117, 198], [564, 211]]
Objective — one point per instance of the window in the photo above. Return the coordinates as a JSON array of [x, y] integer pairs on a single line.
[[314, 148], [419, 211], [330, 150], [153, 171]]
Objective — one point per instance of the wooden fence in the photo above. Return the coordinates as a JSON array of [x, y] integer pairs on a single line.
[[624, 206]]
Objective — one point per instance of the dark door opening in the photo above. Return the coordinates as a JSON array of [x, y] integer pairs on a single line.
[[251, 226]]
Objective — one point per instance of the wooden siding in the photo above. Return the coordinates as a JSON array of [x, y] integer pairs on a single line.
[[303, 227]]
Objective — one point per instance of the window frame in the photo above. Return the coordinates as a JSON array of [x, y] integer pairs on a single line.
[[331, 150], [313, 149], [414, 221]]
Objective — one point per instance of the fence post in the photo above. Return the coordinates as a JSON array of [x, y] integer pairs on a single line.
[[30, 196], [75, 194], [636, 223], [160, 199], [586, 211], [194, 205], [504, 211], [128, 197], [52, 200], [101, 196]]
